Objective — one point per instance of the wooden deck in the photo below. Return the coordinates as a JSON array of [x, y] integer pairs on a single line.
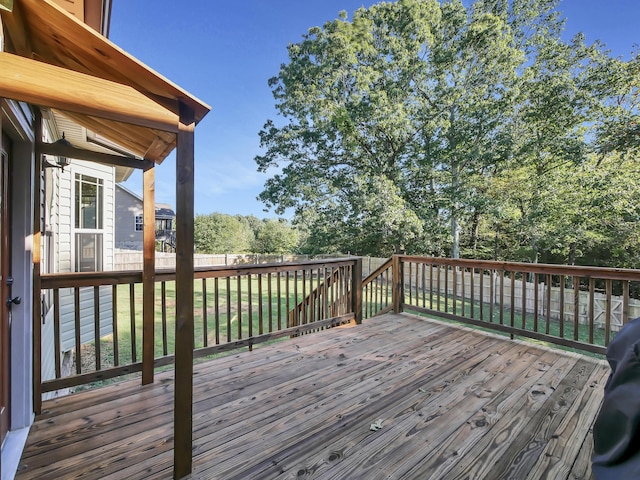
[[453, 403]]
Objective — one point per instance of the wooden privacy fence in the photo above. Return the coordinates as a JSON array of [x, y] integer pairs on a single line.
[[579, 307], [93, 328]]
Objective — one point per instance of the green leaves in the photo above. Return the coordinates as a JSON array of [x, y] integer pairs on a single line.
[[428, 127]]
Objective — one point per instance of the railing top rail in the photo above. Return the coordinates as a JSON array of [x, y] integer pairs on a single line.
[[385, 266], [90, 279], [544, 268], [242, 269]]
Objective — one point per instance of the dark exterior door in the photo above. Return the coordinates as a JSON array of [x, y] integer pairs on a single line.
[[5, 286]]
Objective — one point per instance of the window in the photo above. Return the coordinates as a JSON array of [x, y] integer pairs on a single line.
[[89, 203], [164, 224], [138, 223]]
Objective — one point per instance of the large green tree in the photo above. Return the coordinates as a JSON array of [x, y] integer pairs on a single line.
[[408, 98], [221, 233], [275, 236], [431, 127]]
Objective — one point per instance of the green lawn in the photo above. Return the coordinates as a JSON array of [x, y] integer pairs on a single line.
[[236, 317], [494, 317]]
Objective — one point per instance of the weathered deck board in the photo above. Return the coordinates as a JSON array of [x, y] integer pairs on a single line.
[[454, 403]]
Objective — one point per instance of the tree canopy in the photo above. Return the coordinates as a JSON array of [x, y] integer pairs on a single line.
[[428, 127], [218, 233]]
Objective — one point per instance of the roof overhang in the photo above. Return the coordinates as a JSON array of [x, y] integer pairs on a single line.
[[53, 60]]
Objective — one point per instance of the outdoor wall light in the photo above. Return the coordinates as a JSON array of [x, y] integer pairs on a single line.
[[61, 162]]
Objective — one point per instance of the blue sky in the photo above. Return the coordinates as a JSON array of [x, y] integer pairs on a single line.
[[224, 51]]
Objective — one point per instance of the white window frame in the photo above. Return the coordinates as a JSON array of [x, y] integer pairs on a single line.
[[101, 181]]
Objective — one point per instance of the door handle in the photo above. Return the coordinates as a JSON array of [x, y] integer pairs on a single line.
[[13, 301]]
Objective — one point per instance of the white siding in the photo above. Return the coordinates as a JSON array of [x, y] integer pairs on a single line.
[[66, 255], [87, 327]]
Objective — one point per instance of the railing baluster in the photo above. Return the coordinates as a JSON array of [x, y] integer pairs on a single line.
[[78, 351], [410, 283], [163, 307], [114, 325], [279, 293], [562, 280], [56, 332], [205, 329], [524, 301], [228, 295], [446, 289], [260, 310], [424, 284], [239, 305], [288, 302], [473, 292], [439, 268], [607, 318], [416, 286], [327, 279], [96, 326], [463, 290], [576, 306], [536, 299], [482, 301], [250, 309], [548, 320], [431, 286], [592, 295], [512, 301], [501, 306], [216, 307], [386, 287], [296, 312], [454, 291], [625, 302], [270, 304], [492, 294], [132, 322]]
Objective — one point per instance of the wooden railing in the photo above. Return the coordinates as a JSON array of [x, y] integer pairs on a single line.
[[577, 307], [93, 329]]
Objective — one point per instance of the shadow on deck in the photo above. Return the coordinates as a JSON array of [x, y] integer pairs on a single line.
[[453, 403]]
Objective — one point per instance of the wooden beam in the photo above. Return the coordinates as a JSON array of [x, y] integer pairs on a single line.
[[47, 85], [35, 254], [15, 31], [81, 154], [61, 39], [148, 273], [183, 407], [132, 138]]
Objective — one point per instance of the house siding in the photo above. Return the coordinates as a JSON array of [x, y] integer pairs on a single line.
[[66, 247], [127, 206]]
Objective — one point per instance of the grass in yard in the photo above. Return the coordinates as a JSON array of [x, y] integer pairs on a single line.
[[493, 317], [242, 309]]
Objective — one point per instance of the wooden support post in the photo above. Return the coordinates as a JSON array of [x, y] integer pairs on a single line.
[[398, 284], [356, 287], [148, 273], [183, 406], [35, 253]]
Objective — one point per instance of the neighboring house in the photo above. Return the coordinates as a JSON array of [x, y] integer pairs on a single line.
[[61, 79], [128, 221]]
